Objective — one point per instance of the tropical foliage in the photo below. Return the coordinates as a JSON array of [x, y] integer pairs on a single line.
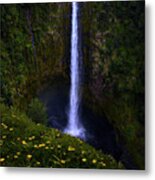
[[27, 144], [35, 52]]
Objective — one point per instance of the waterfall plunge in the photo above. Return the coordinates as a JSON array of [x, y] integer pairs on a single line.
[[74, 127]]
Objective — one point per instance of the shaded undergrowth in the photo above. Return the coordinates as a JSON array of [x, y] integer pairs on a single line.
[[28, 144]]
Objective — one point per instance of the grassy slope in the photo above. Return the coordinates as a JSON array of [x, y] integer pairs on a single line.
[[24, 143]]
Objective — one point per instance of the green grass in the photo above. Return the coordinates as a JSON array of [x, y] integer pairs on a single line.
[[27, 144]]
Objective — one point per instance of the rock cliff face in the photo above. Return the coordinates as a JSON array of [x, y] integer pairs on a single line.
[[35, 42], [113, 54]]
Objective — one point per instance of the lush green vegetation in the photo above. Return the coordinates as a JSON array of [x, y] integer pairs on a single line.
[[33, 49], [35, 43], [37, 111], [113, 36], [25, 143]]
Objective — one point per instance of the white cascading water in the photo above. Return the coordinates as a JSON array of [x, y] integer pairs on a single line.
[[74, 127]]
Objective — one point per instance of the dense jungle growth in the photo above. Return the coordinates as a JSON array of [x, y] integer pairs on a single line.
[[35, 53]]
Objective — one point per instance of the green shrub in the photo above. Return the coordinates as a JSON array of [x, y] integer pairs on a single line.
[[27, 144], [37, 111]]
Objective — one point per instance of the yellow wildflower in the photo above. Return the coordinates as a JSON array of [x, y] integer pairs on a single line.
[[4, 125], [84, 159], [18, 153], [15, 156], [29, 156], [18, 138], [83, 152], [46, 147], [58, 135], [1, 142], [59, 146], [2, 159], [24, 142], [33, 137], [94, 161], [48, 142], [41, 145], [38, 163], [35, 146], [104, 164], [63, 161], [4, 136], [10, 129], [30, 138], [70, 148]]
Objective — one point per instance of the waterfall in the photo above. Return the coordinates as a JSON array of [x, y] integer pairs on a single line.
[[74, 126]]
